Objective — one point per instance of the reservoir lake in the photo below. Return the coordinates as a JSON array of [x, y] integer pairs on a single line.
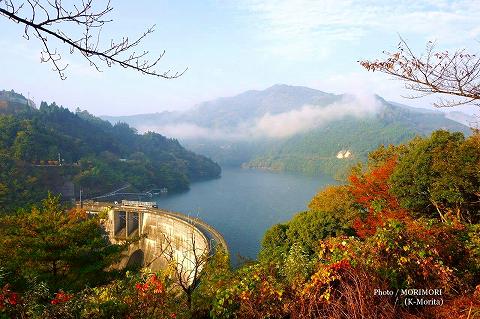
[[244, 203]]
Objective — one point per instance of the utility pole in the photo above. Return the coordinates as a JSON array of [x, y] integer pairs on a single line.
[[81, 204]]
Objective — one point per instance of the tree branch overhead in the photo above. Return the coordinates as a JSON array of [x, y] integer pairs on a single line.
[[54, 19], [455, 74]]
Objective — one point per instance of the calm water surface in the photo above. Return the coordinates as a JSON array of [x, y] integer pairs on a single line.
[[244, 203]]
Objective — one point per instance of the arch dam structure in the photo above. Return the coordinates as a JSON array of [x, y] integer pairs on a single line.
[[164, 236]]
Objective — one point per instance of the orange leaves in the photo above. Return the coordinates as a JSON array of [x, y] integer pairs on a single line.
[[152, 285], [322, 292], [320, 286], [371, 191], [77, 214], [340, 265], [61, 297], [368, 226], [373, 185]]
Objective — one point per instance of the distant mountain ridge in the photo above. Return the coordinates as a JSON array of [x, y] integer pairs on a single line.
[[242, 107], [293, 128], [465, 119], [227, 111]]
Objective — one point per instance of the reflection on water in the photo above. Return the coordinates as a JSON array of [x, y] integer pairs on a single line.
[[244, 203]]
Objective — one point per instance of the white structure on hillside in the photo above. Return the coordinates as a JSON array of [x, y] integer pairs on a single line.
[[344, 154]]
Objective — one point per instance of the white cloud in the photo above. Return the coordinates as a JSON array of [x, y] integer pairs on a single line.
[[280, 125], [304, 28], [191, 131], [309, 117], [391, 89]]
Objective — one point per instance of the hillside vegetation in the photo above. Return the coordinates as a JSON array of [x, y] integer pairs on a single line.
[[400, 239], [293, 128], [94, 155]]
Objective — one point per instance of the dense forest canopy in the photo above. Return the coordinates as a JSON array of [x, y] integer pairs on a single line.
[[50, 147], [407, 219]]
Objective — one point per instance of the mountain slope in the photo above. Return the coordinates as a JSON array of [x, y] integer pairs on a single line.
[[294, 128], [231, 111], [228, 112], [12, 102], [94, 155]]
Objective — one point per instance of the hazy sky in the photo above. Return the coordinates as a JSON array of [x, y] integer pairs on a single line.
[[233, 46]]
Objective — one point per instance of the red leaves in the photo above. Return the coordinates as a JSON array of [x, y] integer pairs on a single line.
[[341, 265], [373, 185], [371, 191], [152, 284], [61, 297], [367, 227], [7, 297]]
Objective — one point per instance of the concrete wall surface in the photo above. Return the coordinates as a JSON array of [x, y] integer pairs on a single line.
[[165, 238]]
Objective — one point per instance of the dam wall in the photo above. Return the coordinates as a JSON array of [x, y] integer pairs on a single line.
[[165, 237]]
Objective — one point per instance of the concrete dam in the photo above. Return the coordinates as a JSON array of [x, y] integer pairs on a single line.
[[165, 237]]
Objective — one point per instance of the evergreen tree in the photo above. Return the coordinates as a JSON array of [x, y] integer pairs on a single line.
[[65, 249]]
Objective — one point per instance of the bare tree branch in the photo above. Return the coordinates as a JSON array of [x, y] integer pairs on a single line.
[[52, 18], [186, 254], [187, 262], [454, 74]]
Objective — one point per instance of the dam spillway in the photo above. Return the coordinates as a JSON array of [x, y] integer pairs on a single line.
[[163, 235]]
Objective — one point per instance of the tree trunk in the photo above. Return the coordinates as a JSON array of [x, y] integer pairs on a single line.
[[442, 217]]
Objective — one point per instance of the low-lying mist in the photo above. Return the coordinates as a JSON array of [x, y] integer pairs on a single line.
[[277, 126]]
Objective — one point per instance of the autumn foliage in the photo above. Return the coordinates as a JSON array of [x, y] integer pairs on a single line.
[[61, 297], [8, 297], [327, 262], [371, 191]]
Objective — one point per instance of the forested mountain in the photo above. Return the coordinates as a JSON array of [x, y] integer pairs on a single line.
[[293, 128], [12, 102], [51, 148], [323, 149], [227, 113]]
